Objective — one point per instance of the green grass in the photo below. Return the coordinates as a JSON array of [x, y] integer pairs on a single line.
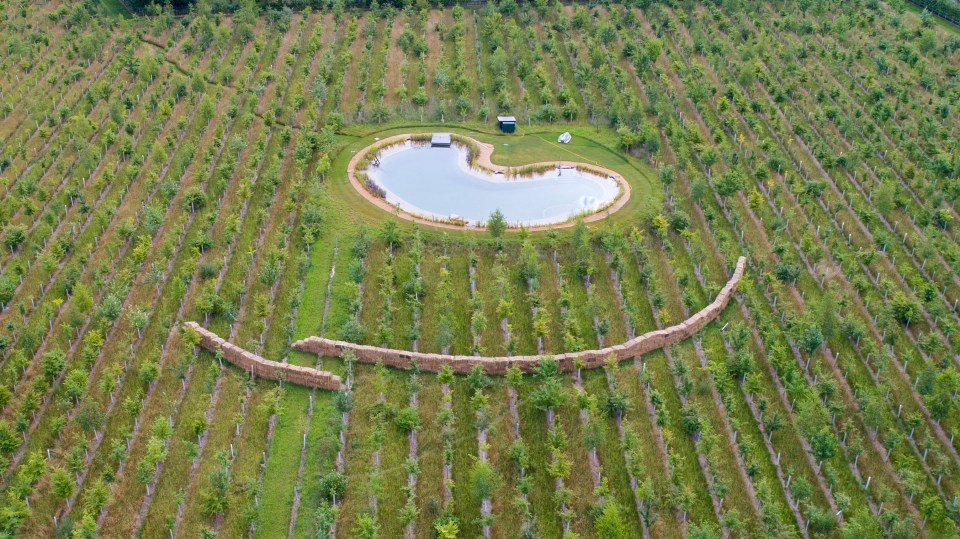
[[273, 514], [943, 24], [466, 507], [394, 452], [636, 94], [579, 481], [346, 210], [521, 316], [249, 448], [500, 437], [430, 456], [322, 446], [533, 428], [593, 146], [182, 447], [114, 8], [358, 457], [610, 453]]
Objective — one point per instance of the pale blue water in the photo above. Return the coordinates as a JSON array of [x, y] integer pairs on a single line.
[[436, 182]]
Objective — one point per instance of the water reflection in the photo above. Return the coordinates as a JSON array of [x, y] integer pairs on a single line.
[[437, 183]]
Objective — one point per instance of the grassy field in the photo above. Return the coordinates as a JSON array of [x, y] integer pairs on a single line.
[[114, 8], [158, 169], [589, 145]]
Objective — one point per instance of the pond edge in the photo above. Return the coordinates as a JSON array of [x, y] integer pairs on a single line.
[[479, 157]]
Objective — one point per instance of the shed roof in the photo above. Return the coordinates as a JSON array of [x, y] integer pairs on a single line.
[[506, 119]]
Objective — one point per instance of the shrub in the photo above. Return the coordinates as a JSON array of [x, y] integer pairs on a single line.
[[8, 287], [903, 309], [90, 416], [609, 523], [482, 481], [352, 331], [333, 484], [9, 441], [14, 236], [366, 527], [149, 371], [194, 199], [62, 483], [53, 363], [519, 454], [811, 338], [407, 419], [787, 272]]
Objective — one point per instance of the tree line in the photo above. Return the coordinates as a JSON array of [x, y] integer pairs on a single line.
[[507, 6]]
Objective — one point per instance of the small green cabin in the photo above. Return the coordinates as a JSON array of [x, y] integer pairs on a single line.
[[507, 124]]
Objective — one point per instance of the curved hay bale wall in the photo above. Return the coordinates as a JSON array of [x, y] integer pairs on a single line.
[[264, 368], [642, 344]]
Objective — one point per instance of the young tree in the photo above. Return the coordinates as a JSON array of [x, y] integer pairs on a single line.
[[548, 395], [194, 199], [823, 444], [773, 423], [90, 416], [14, 236], [323, 166], [514, 375], [366, 527], [333, 485], [53, 363], [138, 318], [903, 309], [214, 498], [703, 530], [75, 384], [482, 480], [811, 338], [941, 400], [609, 523], [447, 528], [730, 183], [407, 419], [529, 264], [9, 440], [86, 528], [801, 489], [390, 233], [62, 483], [496, 225]]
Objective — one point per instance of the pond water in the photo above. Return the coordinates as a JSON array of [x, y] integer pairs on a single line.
[[438, 183]]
